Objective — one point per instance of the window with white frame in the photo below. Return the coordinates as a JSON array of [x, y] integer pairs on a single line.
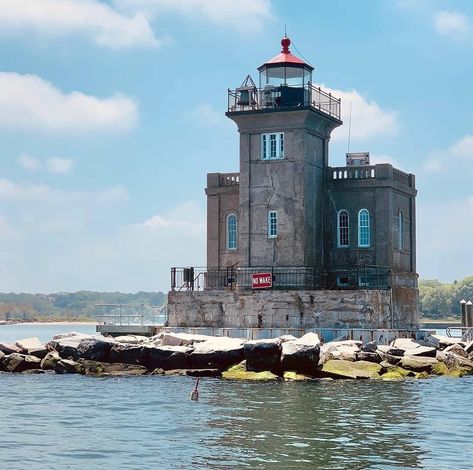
[[272, 146], [401, 230], [272, 224], [232, 232], [343, 231], [363, 228]]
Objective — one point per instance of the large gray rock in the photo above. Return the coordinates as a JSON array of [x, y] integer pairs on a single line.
[[456, 349], [66, 366], [469, 347], [132, 339], [339, 369], [20, 362], [405, 343], [263, 355], [29, 344], [8, 348], [66, 347], [107, 369], [441, 342], [218, 353], [94, 349], [169, 357], [50, 360], [370, 347], [183, 339], [368, 357], [418, 364], [129, 354], [424, 351], [338, 350], [301, 355]]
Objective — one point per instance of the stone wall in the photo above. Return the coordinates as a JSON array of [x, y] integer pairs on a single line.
[[293, 309]]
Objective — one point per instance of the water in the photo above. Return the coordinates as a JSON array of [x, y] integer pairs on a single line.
[[76, 422], [45, 332]]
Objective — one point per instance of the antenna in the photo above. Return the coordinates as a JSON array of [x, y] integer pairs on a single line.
[[285, 34], [349, 130]]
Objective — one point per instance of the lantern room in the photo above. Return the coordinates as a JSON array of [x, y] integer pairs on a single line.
[[285, 69]]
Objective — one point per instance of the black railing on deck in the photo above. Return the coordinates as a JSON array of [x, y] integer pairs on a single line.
[[273, 97], [234, 277]]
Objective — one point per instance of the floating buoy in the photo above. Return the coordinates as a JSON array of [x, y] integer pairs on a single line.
[[195, 393]]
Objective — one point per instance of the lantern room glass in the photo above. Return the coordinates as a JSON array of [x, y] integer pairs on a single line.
[[293, 76]]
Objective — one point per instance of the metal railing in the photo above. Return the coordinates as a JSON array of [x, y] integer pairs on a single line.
[[465, 333], [131, 314], [274, 97], [348, 173], [233, 278]]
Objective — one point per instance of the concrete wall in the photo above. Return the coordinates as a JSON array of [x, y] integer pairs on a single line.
[[292, 309]]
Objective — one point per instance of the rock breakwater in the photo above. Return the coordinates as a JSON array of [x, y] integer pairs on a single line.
[[283, 358]]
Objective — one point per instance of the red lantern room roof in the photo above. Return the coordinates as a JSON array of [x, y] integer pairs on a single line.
[[285, 57]]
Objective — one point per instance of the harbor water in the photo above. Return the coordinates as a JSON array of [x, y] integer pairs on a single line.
[[77, 422]]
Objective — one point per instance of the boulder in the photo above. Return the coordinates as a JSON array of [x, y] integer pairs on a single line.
[[343, 352], [295, 377], [66, 347], [339, 369], [423, 351], [204, 372], [370, 347], [2, 355], [391, 350], [50, 360], [132, 339], [456, 349], [183, 339], [418, 364], [405, 344], [66, 366], [285, 338], [8, 348], [29, 344], [301, 356], [441, 342], [368, 356], [395, 372], [263, 355], [349, 342], [169, 357], [16, 362], [240, 372], [309, 339], [72, 334], [93, 349], [129, 354], [217, 353], [89, 367], [469, 347]]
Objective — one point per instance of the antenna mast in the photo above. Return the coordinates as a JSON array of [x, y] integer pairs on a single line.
[[349, 130]]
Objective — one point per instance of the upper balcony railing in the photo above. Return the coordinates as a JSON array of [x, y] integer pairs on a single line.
[[276, 97], [383, 171]]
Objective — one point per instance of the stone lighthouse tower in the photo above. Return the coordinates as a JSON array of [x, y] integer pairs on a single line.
[[285, 128]]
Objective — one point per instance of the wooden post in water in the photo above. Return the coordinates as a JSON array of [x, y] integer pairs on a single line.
[[469, 314], [463, 313]]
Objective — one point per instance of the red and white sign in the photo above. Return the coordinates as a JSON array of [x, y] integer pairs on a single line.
[[262, 280]]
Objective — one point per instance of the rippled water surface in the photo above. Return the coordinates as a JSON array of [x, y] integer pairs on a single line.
[[76, 422]]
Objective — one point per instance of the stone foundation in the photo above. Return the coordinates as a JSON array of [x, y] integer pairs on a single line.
[[295, 309]]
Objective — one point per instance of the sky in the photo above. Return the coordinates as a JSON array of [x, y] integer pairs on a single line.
[[113, 112]]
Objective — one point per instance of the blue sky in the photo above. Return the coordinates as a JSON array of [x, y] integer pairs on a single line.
[[112, 113]]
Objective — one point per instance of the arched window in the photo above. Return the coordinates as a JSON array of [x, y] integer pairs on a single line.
[[231, 232], [401, 230], [363, 228], [343, 230]]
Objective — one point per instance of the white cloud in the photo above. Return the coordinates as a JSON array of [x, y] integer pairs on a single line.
[[28, 162], [59, 165], [29, 102], [7, 231], [244, 15], [42, 193], [452, 24], [368, 119], [459, 152], [376, 159], [59, 18]]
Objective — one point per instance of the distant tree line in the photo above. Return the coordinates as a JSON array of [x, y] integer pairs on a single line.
[[439, 299], [69, 305]]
